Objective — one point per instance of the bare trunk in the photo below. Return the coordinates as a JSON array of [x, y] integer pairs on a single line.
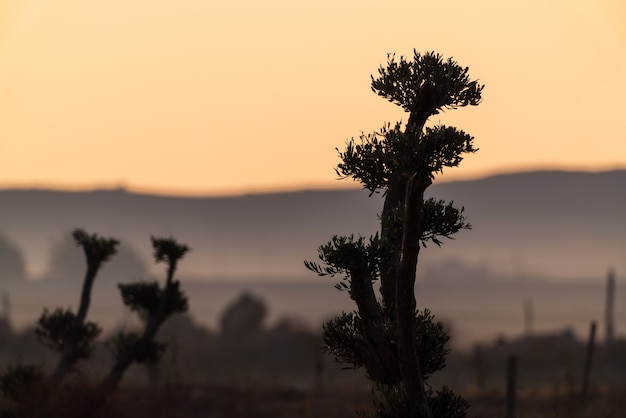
[[392, 238], [85, 298]]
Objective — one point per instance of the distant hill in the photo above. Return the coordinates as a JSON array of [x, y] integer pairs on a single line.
[[546, 223]]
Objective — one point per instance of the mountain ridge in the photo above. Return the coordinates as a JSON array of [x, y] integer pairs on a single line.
[[524, 224]]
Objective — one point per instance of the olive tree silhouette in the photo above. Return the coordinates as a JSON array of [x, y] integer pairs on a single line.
[[68, 333], [154, 304], [400, 346]]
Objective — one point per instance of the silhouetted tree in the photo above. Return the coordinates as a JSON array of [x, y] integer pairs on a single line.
[[243, 317], [399, 346], [66, 332], [154, 304]]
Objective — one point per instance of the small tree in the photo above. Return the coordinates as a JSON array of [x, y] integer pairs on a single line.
[[399, 346], [154, 304], [68, 333]]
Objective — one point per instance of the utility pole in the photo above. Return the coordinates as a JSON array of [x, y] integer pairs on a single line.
[[609, 316]]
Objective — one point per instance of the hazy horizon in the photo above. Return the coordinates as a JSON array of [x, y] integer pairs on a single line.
[[522, 226], [338, 184]]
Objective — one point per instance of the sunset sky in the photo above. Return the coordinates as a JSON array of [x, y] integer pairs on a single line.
[[206, 97]]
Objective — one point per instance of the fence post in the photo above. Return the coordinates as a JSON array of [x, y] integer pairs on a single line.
[[479, 364], [511, 386], [589, 355]]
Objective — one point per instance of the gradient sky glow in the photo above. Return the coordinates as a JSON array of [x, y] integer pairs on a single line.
[[196, 97]]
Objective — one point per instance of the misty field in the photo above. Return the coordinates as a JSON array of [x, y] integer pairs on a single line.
[[247, 366]]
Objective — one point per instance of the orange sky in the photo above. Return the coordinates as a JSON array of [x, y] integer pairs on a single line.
[[192, 97]]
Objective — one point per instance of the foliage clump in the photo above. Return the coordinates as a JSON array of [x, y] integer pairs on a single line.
[[57, 329], [18, 380]]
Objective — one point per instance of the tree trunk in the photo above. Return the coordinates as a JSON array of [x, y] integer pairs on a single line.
[[378, 357], [69, 351], [85, 297], [412, 378], [392, 238]]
